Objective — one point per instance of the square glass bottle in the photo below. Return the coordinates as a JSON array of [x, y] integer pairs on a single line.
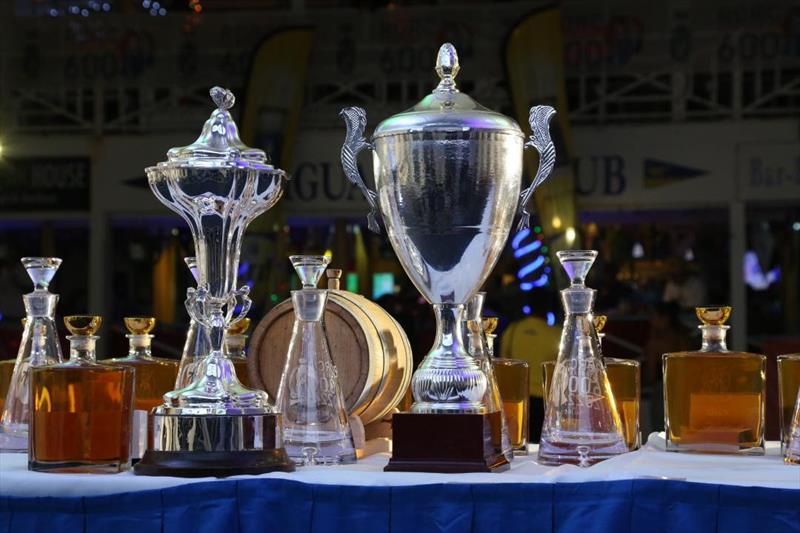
[[714, 398], [154, 377], [82, 410]]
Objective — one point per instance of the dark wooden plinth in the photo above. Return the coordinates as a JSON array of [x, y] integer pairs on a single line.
[[446, 443], [215, 464]]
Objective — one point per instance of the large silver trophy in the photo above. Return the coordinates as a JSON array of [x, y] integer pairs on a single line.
[[215, 425], [448, 178]]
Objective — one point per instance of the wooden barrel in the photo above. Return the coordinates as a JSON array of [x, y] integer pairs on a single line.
[[369, 348]]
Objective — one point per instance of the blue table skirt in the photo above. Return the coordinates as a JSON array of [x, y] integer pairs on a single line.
[[289, 506]]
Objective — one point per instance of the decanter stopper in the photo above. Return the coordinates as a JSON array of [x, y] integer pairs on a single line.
[[577, 264], [83, 325], [713, 315], [309, 268], [240, 327], [489, 324], [41, 270], [599, 322], [139, 325]]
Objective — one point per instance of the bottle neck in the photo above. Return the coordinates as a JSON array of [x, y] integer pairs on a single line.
[[578, 300], [309, 304], [235, 345], [714, 338], [140, 346], [82, 347], [40, 303]]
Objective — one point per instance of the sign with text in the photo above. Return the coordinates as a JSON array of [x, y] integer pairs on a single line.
[[769, 171], [52, 184]]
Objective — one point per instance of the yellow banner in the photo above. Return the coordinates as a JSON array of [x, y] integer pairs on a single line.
[[535, 63]]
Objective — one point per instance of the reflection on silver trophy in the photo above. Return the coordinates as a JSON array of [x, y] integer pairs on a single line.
[[447, 177]]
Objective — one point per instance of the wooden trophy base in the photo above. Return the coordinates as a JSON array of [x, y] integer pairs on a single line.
[[447, 443]]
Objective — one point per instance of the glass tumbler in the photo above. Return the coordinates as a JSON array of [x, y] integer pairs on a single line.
[[513, 381]]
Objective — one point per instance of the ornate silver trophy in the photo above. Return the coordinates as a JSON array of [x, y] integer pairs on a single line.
[[448, 177], [215, 425]]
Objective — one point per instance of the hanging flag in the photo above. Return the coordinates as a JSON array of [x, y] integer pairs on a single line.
[[659, 173]]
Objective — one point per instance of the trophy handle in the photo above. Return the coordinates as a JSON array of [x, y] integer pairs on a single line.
[[354, 142], [539, 120]]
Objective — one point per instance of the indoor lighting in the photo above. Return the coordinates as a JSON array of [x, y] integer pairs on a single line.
[[570, 235], [556, 222]]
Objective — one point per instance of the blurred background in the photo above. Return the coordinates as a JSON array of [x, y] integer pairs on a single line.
[[677, 131]]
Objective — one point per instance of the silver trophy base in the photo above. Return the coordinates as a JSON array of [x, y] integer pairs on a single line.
[[197, 445]]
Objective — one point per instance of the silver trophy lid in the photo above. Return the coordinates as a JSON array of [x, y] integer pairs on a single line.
[[447, 108], [219, 144]]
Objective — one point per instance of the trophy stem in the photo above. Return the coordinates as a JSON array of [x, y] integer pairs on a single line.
[[449, 380]]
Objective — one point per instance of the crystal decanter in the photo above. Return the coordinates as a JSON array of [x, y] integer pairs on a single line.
[[154, 377], [791, 454], [82, 412], [581, 423], [714, 398], [39, 346], [236, 348], [624, 376], [315, 426], [478, 348]]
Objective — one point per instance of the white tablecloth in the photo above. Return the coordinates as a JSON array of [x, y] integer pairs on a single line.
[[650, 462]]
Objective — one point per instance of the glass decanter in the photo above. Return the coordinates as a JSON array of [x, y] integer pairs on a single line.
[[477, 347], [82, 413], [154, 377], [624, 376], [315, 426], [581, 423], [791, 455], [39, 346], [235, 346], [714, 398], [196, 340]]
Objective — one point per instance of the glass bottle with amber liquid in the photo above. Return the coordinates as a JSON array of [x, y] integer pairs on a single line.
[[235, 346], [82, 410], [714, 398], [154, 377]]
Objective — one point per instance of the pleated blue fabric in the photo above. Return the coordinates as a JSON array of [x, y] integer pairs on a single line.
[[282, 506]]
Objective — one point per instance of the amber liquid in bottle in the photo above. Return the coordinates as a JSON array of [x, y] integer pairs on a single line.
[[81, 419], [713, 398], [6, 372]]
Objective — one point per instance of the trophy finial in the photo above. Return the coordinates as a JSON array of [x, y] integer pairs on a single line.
[[139, 325], [447, 67], [223, 98], [83, 324]]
